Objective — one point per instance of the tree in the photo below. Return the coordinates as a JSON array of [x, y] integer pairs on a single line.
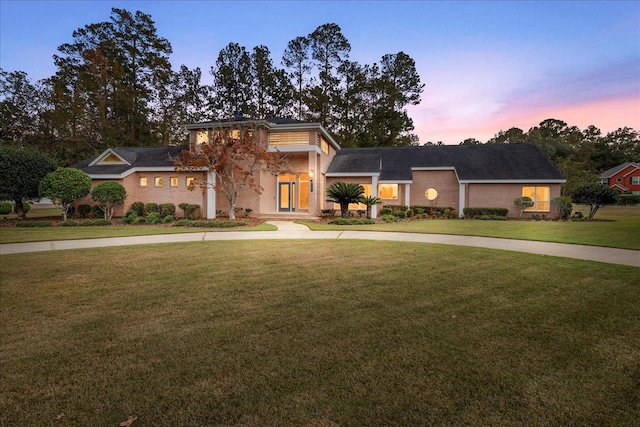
[[232, 82], [523, 203], [296, 59], [344, 194], [235, 155], [64, 186], [595, 195], [108, 195], [369, 201], [20, 173]]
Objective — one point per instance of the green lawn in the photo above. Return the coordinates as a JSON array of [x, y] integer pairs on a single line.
[[613, 226], [317, 333]]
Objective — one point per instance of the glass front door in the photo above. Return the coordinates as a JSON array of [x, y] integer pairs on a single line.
[[286, 197]]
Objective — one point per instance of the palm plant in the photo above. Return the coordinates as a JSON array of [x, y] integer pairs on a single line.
[[369, 201], [344, 194]]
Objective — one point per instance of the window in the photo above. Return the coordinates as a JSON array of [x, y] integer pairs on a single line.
[[158, 181], [431, 194], [604, 181], [635, 180], [618, 179], [324, 146], [540, 197], [278, 139], [190, 181], [143, 182], [174, 181], [388, 191]]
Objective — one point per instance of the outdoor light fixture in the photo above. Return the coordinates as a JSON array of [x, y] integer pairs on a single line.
[[311, 181]]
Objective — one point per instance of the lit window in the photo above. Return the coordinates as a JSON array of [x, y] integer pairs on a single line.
[[324, 146], [540, 197], [388, 191], [635, 180], [158, 181], [190, 181], [431, 194], [143, 182], [174, 181]]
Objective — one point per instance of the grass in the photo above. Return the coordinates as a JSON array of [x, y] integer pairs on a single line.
[[613, 226], [21, 235], [290, 333]]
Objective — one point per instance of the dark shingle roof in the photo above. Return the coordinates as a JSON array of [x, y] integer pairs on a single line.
[[487, 162], [137, 157]]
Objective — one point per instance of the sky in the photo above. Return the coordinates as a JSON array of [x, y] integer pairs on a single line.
[[486, 65]]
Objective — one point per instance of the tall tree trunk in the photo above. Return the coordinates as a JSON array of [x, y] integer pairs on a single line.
[[19, 209]]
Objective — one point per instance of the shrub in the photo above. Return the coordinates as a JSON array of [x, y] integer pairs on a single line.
[[629, 199], [130, 217], [328, 213], [389, 218], [151, 208], [25, 206], [348, 221], [183, 206], [386, 210], [84, 210], [68, 223], [192, 212], [564, 207], [400, 214], [490, 217], [167, 209], [101, 221], [472, 212], [34, 224], [523, 203], [5, 208], [168, 218], [153, 218], [96, 211], [108, 195], [138, 208], [140, 220]]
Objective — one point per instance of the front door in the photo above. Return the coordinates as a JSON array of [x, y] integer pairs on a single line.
[[286, 198]]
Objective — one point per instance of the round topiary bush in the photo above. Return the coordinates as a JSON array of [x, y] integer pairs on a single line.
[[5, 208]]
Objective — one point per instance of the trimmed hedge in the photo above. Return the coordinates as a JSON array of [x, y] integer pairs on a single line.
[[95, 222], [629, 199], [5, 208], [209, 224], [351, 221], [69, 223], [433, 211], [34, 224], [473, 212], [167, 209]]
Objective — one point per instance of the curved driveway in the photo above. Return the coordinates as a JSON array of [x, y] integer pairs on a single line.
[[290, 230]]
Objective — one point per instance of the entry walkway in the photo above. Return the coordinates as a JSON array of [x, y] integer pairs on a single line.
[[288, 230]]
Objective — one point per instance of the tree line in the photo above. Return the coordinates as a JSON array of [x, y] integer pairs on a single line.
[[114, 86]]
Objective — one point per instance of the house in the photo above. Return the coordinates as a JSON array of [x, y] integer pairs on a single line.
[[455, 176], [445, 176], [624, 178]]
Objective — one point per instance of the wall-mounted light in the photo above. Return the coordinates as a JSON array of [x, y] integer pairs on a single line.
[[311, 180]]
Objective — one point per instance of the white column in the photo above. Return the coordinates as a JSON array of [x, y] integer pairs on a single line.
[[461, 199], [211, 195], [374, 192], [407, 195]]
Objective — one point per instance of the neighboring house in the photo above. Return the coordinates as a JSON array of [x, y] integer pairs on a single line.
[[455, 176], [624, 178], [445, 176]]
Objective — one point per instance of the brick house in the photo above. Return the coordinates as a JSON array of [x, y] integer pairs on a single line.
[[446, 176], [624, 178]]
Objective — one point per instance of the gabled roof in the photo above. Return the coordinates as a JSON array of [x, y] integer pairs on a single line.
[[611, 172], [149, 158], [487, 162]]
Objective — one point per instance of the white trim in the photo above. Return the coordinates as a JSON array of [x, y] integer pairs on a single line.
[[104, 154], [352, 174], [374, 190], [211, 195], [513, 181], [461, 199], [386, 181], [294, 148], [435, 168], [137, 169], [630, 172], [407, 194]]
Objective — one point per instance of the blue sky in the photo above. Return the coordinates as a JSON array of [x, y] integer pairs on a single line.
[[486, 65]]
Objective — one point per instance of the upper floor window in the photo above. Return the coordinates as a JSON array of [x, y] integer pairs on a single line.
[[190, 181], [604, 181], [143, 181], [278, 139], [540, 197], [158, 181], [635, 180], [324, 146], [174, 181]]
